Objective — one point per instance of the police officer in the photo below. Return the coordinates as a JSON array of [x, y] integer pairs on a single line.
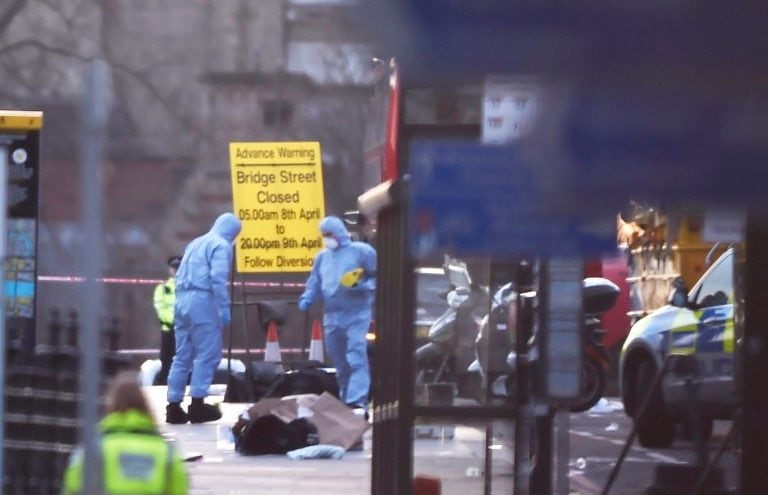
[[343, 277], [164, 299], [135, 457]]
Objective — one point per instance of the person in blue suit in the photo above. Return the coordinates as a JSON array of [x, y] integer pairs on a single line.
[[201, 312], [343, 277]]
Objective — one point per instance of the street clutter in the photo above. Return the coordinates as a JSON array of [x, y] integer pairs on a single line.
[[317, 452], [286, 424]]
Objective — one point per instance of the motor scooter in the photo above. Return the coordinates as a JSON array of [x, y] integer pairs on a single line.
[[600, 295], [497, 331], [450, 347]]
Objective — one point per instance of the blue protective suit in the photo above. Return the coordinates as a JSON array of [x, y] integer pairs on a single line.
[[347, 311], [202, 308]]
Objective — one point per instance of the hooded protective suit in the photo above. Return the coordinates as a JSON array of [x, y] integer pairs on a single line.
[[202, 308], [347, 311]]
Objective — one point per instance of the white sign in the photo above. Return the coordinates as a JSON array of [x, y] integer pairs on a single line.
[[509, 107]]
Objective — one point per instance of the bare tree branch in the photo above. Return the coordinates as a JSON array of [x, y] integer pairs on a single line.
[[56, 7], [10, 12], [19, 45], [138, 76], [143, 80]]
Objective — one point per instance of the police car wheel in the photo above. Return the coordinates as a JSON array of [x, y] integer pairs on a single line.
[[655, 429]]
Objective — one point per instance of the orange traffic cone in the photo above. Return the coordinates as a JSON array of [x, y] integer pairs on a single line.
[[272, 350], [316, 351]]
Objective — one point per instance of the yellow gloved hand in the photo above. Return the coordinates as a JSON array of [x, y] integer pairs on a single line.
[[352, 277]]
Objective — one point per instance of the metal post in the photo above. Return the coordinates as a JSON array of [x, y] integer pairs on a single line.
[[523, 403], [563, 442], [488, 464], [3, 230], [541, 474], [94, 118], [754, 355]]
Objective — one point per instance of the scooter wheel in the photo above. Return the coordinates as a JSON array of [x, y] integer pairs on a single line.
[[592, 386]]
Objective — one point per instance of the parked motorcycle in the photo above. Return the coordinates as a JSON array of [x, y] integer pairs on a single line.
[[600, 295], [472, 346], [450, 350], [497, 332], [495, 344]]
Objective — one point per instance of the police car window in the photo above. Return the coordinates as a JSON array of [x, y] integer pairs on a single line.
[[717, 288]]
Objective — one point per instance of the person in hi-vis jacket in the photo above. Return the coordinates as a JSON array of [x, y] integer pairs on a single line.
[[201, 312], [343, 278], [164, 298], [134, 455]]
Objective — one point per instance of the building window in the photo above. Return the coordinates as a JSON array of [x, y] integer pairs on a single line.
[[277, 113]]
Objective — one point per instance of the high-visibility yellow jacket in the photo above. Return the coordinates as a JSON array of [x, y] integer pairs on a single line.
[[164, 299], [136, 459]]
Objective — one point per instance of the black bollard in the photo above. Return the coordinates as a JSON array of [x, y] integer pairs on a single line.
[[114, 362], [48, 354], [112, 333], [55, 329], [73, 329], [55, 334], [68, 351]]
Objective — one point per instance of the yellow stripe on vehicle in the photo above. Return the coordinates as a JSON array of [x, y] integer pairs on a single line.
[[684, 328], [728, 337]]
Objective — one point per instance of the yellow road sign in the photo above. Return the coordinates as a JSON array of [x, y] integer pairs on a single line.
[[278, 195], [16, 120]]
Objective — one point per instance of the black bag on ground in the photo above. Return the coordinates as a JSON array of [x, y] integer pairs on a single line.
[[250, 386], [263, 376], [269, 434], [303, 381], [237, 388]]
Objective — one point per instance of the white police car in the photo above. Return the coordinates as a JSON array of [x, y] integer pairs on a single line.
[[699, 325]]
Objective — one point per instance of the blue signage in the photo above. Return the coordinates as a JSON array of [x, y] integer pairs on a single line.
[[660, 149], [474, 199]]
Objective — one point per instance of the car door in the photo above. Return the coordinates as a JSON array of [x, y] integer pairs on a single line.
[[705, 329]]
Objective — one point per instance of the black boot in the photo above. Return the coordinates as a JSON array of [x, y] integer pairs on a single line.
[[200, 412], [174, 414]]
